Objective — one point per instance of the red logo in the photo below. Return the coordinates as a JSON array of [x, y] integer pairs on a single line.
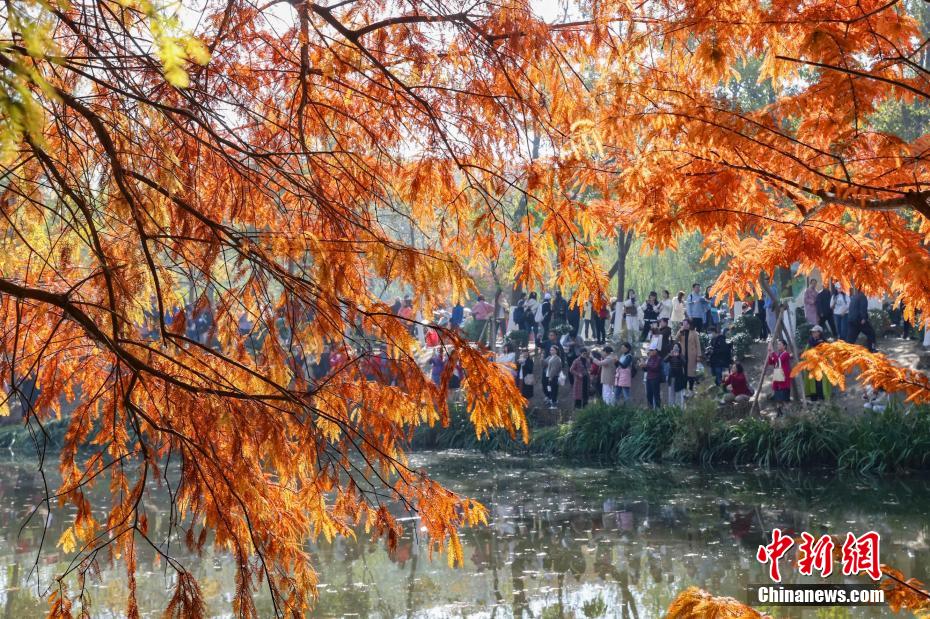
[[817, 555], [858, 554], [773, 552]]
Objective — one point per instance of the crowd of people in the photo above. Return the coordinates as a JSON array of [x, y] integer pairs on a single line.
[[597, 349], [666, 327]]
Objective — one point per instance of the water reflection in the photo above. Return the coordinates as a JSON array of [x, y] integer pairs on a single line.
[[563, 542]]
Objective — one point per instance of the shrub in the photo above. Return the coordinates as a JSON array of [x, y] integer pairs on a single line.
[[742, 344], [891, 441], [519, 338], [650, 436], [802, 334], [880, 320], [472, 330], [748, 324]]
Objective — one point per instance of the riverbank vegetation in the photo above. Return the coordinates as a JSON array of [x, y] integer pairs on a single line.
[[895, 440]]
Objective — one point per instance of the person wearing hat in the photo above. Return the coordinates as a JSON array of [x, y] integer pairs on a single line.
[[816, 389]]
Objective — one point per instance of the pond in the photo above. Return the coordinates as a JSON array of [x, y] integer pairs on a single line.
[[564, 541]]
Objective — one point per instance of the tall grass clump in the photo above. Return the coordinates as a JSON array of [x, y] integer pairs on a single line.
[[825, 436]]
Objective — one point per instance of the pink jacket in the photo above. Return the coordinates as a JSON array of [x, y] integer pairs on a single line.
[[624, 376]]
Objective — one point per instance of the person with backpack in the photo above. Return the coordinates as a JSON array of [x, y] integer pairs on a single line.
[[720, 356]]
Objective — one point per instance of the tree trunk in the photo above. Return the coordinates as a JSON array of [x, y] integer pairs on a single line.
[[516, 287], [624, 243]]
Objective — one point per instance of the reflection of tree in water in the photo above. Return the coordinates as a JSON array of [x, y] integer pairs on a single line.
[[650, 535]]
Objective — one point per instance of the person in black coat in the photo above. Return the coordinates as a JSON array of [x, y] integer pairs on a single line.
[[825, 312], [526, 376], [721, 356], [858, 320]]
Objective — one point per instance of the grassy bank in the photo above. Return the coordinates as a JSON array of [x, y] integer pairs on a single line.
[[895, 440], [19, 440]]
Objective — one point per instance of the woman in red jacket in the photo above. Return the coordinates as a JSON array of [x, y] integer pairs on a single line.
[[738, 384], [781, 376]]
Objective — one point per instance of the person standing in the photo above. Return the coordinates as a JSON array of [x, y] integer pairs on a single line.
[[815, 389], [587, 318], [839, 304], [676, 376], [517, 317], [721, 356], [525, 375], [858, 320], [551, 373], [457, 316], [600, 323], [679, 311], [780, 360], [650, 313], [690, 344], [530, 306], [697, 307], [653, 370], [608, 367], [712, 318], [631, 314], [666, 306], [825, 311], [573, 317], [810, 302], [481, 313], [544, 315], [437, 364], [624, 374], [760, 307], [580, 369]]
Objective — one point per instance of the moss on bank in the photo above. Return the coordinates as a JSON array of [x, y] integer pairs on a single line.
[[895, 440]]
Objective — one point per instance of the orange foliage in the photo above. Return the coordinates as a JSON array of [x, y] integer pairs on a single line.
[[903, 593], [694, 603], [274, 168], [835, 360]]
